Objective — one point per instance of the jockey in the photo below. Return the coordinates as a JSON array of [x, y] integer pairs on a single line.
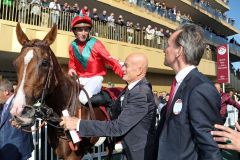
[[88, 58]]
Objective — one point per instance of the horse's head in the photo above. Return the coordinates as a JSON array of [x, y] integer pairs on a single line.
[[34, 67]]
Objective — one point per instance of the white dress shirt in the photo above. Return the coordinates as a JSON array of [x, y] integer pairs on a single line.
[[181, 75]]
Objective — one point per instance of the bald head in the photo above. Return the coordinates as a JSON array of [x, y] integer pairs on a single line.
[[135, 67], [140, 60]]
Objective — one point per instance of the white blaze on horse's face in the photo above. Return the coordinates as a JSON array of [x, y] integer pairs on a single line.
[[20, 100]]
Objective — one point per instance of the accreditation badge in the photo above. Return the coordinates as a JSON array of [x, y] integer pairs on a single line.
[[177, 108]]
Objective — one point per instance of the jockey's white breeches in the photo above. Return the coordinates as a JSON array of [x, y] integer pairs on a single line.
[[92, 85]]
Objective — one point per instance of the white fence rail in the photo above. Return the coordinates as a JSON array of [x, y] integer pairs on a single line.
[[42, 151]]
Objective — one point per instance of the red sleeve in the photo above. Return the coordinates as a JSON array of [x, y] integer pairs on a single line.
[[233, 103], [71, 63], [108, 60]]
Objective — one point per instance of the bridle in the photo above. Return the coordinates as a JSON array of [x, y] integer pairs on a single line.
[[39, 109]]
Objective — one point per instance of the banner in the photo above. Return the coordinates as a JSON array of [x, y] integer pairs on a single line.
[[223, 74]]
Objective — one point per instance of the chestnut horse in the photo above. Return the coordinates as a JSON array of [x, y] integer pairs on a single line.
[[43, 91]]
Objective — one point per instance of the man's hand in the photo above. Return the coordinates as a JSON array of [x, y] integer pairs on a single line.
[[15, 124], [229, 136], [69, 123], [72, 72]]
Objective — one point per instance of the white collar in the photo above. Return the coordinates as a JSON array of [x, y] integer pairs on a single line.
[[183, 73], [131, 85]]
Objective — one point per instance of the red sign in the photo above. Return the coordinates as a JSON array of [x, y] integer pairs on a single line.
[[223, 74]]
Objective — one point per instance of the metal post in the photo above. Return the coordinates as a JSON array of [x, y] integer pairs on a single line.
[[99, 151], [223, 87], [39, 140], [45, 142]]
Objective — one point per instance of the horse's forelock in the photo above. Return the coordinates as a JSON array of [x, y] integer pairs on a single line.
[[36, 43]]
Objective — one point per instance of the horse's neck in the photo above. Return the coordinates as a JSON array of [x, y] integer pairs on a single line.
[[61, 96]]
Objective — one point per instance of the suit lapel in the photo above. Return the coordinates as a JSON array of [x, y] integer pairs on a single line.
[[177, 96], [5, 117], [127, 92], [179, 93], [6, 114]]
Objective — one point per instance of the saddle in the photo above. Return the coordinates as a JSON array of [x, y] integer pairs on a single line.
[[105, 99]]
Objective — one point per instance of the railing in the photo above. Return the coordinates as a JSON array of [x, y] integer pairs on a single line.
[[42, 149], [163, 12], [234, 49], [37, 15], [34, 14], [214, 38], [216, 13]]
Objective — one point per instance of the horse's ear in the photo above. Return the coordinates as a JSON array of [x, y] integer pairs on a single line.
[[21, 36], [51, 36]]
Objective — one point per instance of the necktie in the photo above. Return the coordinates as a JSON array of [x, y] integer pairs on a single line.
[[172, 91]]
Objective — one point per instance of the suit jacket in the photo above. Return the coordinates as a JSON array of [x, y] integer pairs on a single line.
[[15, 144], [186, 135], [136, 122]]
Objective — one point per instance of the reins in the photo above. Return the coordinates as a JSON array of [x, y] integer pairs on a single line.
[[72, 103], [47, 114]]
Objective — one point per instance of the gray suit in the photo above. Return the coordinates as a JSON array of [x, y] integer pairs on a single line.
[[136, 122]]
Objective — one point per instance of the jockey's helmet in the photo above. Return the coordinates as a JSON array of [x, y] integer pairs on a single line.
[[81, 21]]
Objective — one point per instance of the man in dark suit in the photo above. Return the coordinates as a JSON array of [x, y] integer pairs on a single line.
[[136, 121], [15, 144], [194, 105]]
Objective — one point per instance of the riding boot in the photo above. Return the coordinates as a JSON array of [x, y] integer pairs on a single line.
[[101, 98]]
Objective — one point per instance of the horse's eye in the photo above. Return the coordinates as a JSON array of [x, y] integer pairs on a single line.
[[45, 63]]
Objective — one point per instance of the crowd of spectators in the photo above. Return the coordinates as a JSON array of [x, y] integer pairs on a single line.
[[176, 15], [46, 13], [217, 13], [161, 9], [161, 99]]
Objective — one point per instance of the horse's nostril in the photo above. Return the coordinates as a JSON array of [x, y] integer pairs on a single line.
[[27, 117], [23, 121], [28, 112]]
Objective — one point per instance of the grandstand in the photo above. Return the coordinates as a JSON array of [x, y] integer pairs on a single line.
[[124, 38]]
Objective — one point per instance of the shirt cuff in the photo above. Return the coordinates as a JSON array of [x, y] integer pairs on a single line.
[[78, 125]]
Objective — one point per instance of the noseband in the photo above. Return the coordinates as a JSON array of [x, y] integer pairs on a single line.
[[39, 109]]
